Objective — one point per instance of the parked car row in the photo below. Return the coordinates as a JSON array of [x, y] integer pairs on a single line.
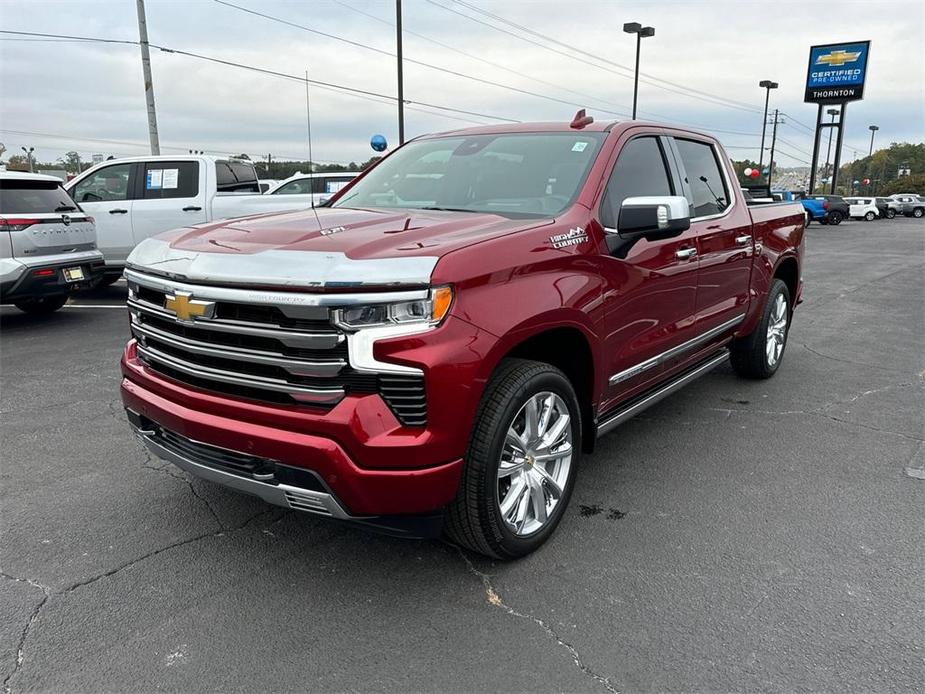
[[834, 209]]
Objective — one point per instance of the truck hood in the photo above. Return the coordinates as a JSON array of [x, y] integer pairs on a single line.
[[337, 248]]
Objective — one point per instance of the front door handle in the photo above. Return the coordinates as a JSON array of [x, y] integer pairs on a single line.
[[191, 208], [743, 240], [118, 211], [685, 253]]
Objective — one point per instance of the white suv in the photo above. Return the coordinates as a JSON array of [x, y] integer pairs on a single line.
[[863, 208], [47, 243]]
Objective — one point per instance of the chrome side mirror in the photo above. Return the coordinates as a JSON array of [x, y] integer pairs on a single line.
[[654, 217]]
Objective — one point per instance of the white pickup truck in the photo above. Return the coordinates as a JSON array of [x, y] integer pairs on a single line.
[[135, 198]]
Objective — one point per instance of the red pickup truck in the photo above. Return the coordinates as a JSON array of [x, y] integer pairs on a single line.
[[434, 348]]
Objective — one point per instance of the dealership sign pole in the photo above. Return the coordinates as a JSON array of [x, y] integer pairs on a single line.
[[835, 75]]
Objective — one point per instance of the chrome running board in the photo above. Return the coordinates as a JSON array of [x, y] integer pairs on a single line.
[[646, 400]]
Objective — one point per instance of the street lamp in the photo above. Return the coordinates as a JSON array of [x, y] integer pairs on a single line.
[[767, 85], [641, 33], [873, 129], [29, 156]]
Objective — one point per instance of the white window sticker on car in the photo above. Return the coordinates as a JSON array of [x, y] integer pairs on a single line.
[[171, 176], [579, 146], [155, 179]]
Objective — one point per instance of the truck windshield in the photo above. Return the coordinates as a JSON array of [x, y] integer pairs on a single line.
[[515, 174]]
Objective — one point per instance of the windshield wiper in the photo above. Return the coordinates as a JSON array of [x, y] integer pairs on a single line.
[[450, 209], [65, 208]]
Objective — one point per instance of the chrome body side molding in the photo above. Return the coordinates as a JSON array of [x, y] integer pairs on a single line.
[[635, 406], [675, 351]]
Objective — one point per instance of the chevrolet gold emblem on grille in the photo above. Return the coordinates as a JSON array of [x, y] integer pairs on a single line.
[[187, 308], [837, 58]]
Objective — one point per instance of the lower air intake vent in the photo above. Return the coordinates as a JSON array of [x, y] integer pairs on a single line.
[[306, 502], [406, 398]]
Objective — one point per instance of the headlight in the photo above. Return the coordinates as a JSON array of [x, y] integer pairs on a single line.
[[430, 310]]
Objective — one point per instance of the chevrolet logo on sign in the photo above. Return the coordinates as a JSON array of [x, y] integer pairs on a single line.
[[837, 58], [187, 308]]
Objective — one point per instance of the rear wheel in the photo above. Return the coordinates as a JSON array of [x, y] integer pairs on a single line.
[[890, 214], [870, 216], [43, 305], [759, 355], [834, 217], [520, 467]]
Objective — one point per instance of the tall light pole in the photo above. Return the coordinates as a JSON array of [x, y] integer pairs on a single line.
[[767, 85], [401, 81], [641, 33], [149, 84], [29, 157], [873, 129]]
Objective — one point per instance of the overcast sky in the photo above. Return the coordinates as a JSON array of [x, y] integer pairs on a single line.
[[62, 95]]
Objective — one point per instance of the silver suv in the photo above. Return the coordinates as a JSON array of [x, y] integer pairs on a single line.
[[47, 243]]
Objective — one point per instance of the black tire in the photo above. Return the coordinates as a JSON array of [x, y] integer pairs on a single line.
[[870, 216], [749, 355], [108, 280], [890, 214], [834, 217], [474, 517], [918, 212], [41, 306]]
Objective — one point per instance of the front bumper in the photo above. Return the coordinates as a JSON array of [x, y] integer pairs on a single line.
[[20, 281], [353, 492]]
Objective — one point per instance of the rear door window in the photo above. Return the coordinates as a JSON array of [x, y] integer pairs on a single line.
[[708, 193], [34, 197], [170, 179], [109, 183]]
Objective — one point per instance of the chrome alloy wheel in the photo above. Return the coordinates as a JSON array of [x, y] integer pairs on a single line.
[[777, 331], [535, 461]]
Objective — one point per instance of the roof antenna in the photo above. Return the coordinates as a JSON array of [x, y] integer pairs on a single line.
[[581, 120], [311, 164], [308, 122]]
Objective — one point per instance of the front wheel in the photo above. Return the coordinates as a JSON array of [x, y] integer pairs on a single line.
[[759, 355], [870, 216], [41, 306], [521, 464], [918, 212], [835, 217], [890, 214]]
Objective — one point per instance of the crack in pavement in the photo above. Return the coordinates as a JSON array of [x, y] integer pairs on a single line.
[[17, 665], [495, 600], [847, 361], [166, 468], [47, 592]]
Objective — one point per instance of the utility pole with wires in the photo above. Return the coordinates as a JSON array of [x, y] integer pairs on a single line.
[[401, 80], [777, 120], [149, 84]]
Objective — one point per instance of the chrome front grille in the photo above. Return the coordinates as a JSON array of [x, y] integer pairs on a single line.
[[276, 353], [266, 346]]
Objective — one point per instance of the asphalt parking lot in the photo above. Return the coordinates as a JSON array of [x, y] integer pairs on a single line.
[[740, 536]]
